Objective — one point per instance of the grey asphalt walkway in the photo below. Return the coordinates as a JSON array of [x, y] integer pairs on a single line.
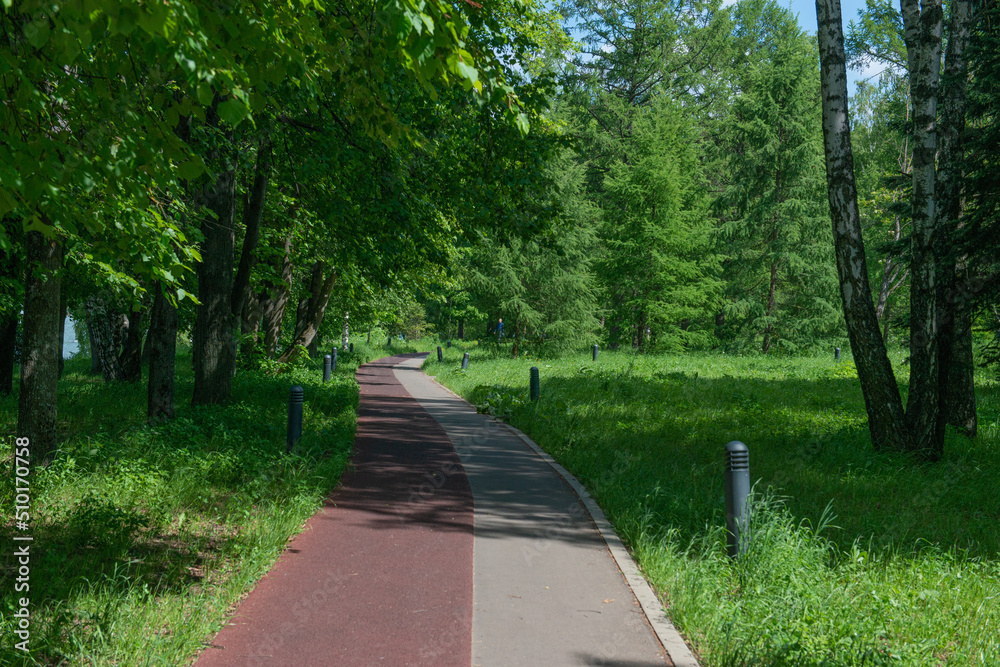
[[546, 590]]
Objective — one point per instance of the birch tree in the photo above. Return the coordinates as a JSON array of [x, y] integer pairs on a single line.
[[920, 427]]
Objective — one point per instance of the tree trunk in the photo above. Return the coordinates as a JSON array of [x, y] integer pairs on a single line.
[[961, 397], [885, 323], [95, 360], [891, 280], [922, 23], [253, 313], [345, 338], [10, 269], [162, 339], [301, 314], [107, 329], [8, 341], [214, 354], [461, 329], [306, 332], [886, 419], [772, 297], [144, 357], [956, 373], [37, 402], [640, 332], [131, 355], [252, 217], [62, 330], [274, 307]]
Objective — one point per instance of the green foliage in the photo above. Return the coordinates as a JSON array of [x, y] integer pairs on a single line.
[[857, 557], [632, 100], [981, 237], [881, 158], [658, 268], [781, 284], [543, 289], [876, 38]]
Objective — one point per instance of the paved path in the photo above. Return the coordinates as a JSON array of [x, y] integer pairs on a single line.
[[398, 569]]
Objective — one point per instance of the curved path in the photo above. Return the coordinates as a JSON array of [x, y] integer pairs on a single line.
[[450, 542]]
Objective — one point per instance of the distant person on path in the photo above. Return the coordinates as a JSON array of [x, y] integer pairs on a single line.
[[500, 329]]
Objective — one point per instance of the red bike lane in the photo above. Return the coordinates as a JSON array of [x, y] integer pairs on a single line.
[[383, 573]]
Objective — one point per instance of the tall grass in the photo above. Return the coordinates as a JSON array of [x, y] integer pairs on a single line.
[[146, 536], [857, 558]]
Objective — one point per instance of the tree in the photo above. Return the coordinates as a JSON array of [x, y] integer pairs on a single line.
[[779, 269], [633, 98], [114, 100], [882, 165], [921, 427], [659, 266], [979, 238], [11, 298], [544, 288], [39, 349]]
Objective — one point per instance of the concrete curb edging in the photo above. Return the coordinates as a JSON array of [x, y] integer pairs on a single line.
[[665, 631]]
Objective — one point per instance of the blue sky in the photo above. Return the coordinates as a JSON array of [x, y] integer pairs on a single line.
[[806, 12]]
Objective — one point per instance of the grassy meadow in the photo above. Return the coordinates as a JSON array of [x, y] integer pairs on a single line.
[[146, 536], [857, 557]]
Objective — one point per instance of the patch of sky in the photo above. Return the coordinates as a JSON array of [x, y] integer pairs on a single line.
[[805, 12]]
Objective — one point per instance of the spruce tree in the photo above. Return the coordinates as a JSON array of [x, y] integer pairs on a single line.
[[659, 267]]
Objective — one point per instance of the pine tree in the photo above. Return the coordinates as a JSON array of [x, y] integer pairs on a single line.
[[544, 288]]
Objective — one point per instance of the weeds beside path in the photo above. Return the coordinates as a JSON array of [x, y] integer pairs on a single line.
[[908, 571]]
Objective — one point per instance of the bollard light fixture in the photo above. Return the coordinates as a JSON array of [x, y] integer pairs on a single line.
[[737, 485], [296, 396]]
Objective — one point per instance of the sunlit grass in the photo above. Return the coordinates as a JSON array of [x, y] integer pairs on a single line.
[[907, 571]]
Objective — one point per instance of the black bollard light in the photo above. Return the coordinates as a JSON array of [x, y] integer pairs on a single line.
[[334, 355], [535, 389], [448, 344], [465, 361], [440, 356], [351, 348], [737, 492], [326, 367], [595, 352], [836, 354], [295, 399]]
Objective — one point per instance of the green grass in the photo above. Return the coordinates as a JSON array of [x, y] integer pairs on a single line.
[[145, 537], [904, 567]]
